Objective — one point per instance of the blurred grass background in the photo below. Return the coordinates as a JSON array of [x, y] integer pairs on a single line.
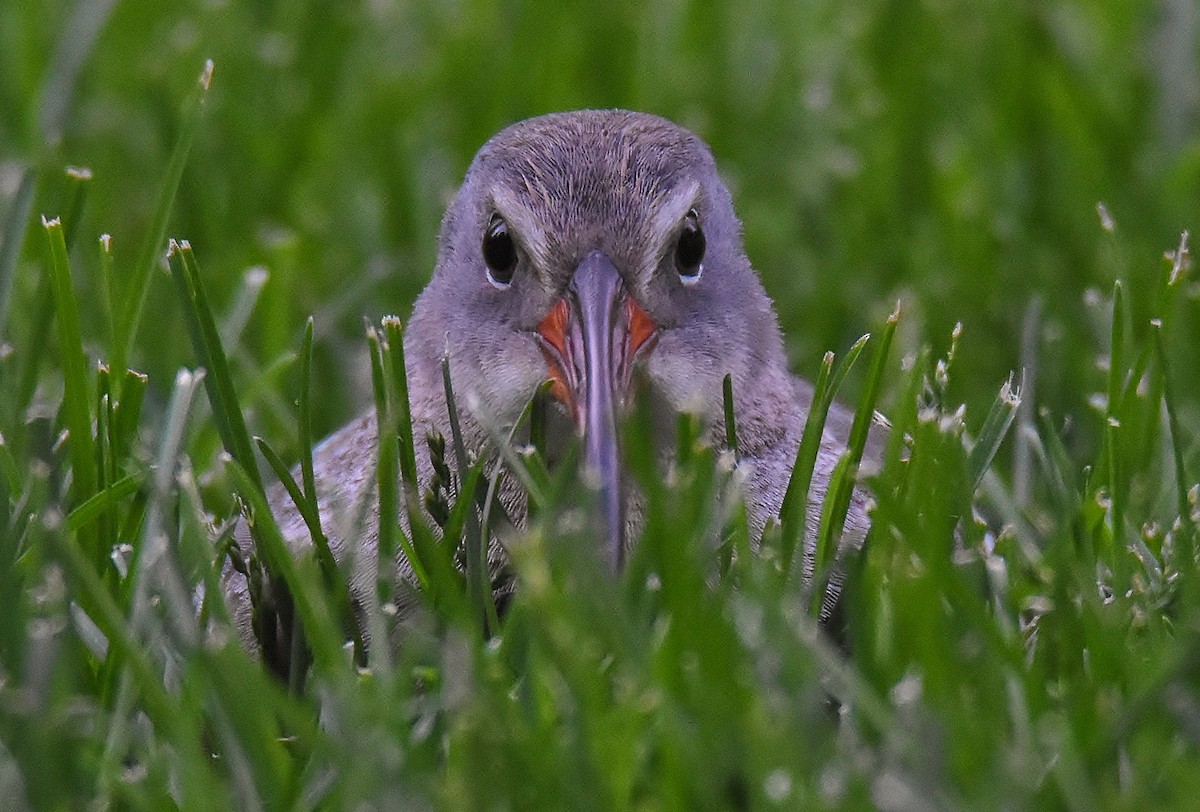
[[950, 155], [944, 154]]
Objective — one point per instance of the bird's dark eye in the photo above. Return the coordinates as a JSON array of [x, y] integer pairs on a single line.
[[689, 251], [499, 252]]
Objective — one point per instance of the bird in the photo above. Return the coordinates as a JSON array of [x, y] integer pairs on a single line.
[[583, 249]]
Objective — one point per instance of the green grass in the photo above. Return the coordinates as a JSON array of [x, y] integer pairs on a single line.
[[948, 156]]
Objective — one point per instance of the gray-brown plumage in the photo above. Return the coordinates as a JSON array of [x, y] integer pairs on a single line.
[[582, 246]]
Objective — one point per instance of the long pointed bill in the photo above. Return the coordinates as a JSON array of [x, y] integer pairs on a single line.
[[591, 339]]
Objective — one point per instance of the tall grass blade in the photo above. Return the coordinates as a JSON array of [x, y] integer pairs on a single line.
[[76, 410], [71, 52], [77, 180], [151, 250], [108, 617], [158, 554], [845, 475], [793, 515], [460, 451], [106, 464], [1031, 327], [527, 465], [393, 333], [239, 313], [206, 343], [386, 481]]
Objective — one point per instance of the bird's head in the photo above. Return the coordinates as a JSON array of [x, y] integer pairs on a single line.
[[582, 246]]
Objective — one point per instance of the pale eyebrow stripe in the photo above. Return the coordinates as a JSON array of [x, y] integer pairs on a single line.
[[667, 214]]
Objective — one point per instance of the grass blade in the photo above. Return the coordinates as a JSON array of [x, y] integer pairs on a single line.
[[393, 333], [127, 413], [76, 411], [307, 477], [385, 481], [730, 419], [312, 519], [151, 251], [104, 500], [206, 342], [845, 475], [995, 428], [793, 515]]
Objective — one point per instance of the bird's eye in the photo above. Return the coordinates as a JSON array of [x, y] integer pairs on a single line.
[[499, 253], [689, 251]]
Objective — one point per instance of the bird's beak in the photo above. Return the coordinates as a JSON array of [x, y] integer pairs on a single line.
[[591, 339]]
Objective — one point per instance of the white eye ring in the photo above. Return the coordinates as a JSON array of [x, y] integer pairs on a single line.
[[688, 281], [496, 283]]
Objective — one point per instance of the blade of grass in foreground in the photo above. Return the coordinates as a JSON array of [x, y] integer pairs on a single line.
[[231, 426], [393, 332], [151, 251], [386, 473], [793, 515], [103, 501], [76, 411], [845, 475], [995, 428], [156, 703], [480, 584], [206, 342], [388, 509], [37, 343]]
